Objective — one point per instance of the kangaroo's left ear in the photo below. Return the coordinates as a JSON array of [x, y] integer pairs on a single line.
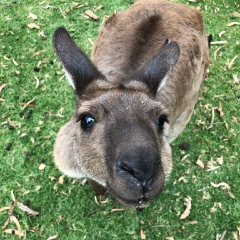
[[154, 72], [80, 70]]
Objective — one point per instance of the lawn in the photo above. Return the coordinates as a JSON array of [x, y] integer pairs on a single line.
[[37, 100]]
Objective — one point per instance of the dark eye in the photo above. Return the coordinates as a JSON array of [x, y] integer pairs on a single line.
[[86, 121], [161, 120]]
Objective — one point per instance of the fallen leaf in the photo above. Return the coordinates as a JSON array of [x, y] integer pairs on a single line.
[[46, 137], [234, 119], [37, 82], [96, 200], [212, 119], [231, 195], [221, 236], [76, 4], [226, 124], [98, 8], [221, 184], [193, 222], [52, 237], [220, 110], [3, 86], [15, 63], [219, 42], [185, 157], [229, 64], [236, 236], [61, 11], [234, 14], [200, 163], [91, 14], [83, 181], [91, 41], [187, 203], [221, 33], [41, 166], [142, 234], [13, 196], [217, 10], [6, 223], [235, 78], [15, 220], [37, 53], [215, 53], [212, 168], [4, 208], [41, 33], [49, 7], [232, 131], [28, 103], [33, 25], [60, 179], [14, 231], [232, 24], [220, 160], [6, 58], [182, 179], [200, 122], [27, 209], [33, 16], [117, 210], [169, 238]]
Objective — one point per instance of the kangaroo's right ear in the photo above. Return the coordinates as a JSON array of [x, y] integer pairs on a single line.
[[80, 71]]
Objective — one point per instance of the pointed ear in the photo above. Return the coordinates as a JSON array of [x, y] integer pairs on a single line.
[[154, 72], [80, 71]]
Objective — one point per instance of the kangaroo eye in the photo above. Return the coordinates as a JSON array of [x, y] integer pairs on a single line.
[[161, 120], [86, 121]]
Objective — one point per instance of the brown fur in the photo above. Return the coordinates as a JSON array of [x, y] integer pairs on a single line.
[[125, 109]]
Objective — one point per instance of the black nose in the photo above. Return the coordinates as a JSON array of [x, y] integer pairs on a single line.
[[138, 172], [141, 165]]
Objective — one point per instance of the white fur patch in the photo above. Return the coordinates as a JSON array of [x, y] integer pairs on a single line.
[[74, 174], [163, 82], [99, 182], [69, 79], [77, 174]]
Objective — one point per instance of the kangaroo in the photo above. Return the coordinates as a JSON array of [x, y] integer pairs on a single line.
[[134, 97]]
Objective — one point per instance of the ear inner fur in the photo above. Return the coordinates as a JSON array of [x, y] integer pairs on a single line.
[[80, 70], [155, 71]]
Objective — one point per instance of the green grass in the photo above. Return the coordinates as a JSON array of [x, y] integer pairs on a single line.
[[64, 208]]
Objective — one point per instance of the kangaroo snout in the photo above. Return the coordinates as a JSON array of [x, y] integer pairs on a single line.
[[140, 169], [138, 177], [142, 165]]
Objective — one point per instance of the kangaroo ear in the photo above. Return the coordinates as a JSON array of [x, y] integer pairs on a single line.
[[154, 72], [80, 71]]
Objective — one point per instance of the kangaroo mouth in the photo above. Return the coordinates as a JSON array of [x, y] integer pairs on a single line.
[[138, 203], [139, 197]]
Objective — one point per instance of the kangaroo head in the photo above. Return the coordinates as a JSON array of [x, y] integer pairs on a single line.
[[116, 136]]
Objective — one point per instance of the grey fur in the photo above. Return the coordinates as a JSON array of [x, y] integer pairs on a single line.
[[148, 64]]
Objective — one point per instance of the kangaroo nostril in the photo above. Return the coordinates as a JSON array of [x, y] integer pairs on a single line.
[[144, 176], [126, 168]]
